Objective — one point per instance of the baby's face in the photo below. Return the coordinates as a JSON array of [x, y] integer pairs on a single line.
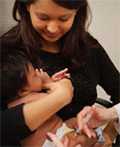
[[34, 80]]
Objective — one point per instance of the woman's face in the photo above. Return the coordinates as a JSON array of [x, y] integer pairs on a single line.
[[51, 20]]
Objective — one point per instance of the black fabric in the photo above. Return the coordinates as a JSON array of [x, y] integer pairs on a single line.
[[117, 142], [13, 126], [97, 69]]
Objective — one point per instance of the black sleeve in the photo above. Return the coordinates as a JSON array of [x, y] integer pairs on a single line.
[[13, 126], [109, 76]]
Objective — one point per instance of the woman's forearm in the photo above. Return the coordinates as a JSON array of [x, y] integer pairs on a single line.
[[37, 112]]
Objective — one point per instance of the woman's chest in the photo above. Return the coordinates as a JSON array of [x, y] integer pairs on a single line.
[[84, 79], [84, 82]]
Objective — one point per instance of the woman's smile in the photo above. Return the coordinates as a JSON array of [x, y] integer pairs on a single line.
[[51, 35]]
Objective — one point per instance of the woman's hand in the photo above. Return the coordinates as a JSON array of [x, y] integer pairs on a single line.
[[61, 74], [63, 87], [92, 117], [76, 138], [55, 77]]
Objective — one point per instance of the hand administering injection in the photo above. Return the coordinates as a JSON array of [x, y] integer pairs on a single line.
[[93, 117]]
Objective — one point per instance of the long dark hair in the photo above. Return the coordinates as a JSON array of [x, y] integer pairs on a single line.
[[73, 43]]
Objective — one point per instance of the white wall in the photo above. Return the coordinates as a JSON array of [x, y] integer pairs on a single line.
[[6, 20], [106, 26]]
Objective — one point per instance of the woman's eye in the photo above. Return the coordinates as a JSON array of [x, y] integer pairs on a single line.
[[63, 19], [43, 17]]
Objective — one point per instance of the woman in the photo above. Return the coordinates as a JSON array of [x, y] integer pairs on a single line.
[[54, 32]]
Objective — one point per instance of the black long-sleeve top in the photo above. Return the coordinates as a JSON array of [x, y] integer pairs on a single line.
[[97, 69], [13, 127]]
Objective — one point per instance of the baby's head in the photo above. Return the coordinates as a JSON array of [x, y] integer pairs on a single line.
[[19, 77]]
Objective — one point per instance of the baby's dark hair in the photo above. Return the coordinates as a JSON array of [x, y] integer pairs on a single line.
[[13, 70]]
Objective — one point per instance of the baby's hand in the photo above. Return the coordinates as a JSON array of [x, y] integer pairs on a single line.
[[57, 141], [61, 74], [66, 142]]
